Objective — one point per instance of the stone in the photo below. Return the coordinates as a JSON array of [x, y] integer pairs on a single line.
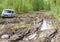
[[5, 36]]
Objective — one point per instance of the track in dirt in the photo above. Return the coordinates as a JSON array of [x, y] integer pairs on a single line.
[[27, 17], [35, 34]]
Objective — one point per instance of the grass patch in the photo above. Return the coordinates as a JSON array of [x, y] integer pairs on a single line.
[[57, 16], [21, 25], [28, 26]]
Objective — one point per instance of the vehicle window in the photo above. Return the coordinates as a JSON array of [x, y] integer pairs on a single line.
[[12, 12], [8, 11]]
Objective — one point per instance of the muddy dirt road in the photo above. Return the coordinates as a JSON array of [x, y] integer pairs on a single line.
[[44, 28]]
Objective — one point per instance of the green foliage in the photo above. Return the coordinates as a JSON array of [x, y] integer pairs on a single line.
[[22, 6]]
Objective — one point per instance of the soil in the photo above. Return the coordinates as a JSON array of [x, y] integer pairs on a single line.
[[35, 34]]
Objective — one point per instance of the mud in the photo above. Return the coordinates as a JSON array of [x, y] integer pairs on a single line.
[[45, 28]]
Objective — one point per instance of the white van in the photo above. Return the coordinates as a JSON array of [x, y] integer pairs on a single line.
[[8, 13]]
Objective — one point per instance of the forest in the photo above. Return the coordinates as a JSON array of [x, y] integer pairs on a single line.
[[24, 6]]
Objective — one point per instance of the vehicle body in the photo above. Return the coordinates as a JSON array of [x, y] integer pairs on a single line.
[[8, 13]]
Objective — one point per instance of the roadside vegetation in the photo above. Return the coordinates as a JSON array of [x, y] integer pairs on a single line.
[[24, 6]]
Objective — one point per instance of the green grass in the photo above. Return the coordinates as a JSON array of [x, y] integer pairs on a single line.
[[22, 6], [57, 16], [28, 26]]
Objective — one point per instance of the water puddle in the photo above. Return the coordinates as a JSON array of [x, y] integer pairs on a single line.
[[30, 37], [46, 25]]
